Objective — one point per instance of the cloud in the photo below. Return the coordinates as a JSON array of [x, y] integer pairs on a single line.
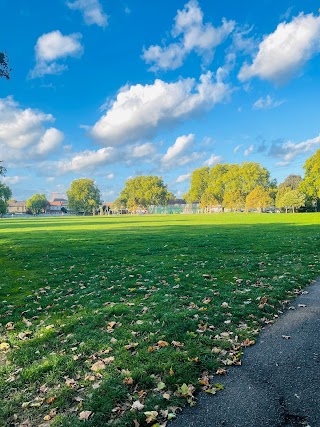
[[248, 150], [50, 141], [110, 175], [23, 134], [237, 148], [91, 10], [13, 180], [143, 150], [140, 111], [183, 178], [241, 42], [288, 151], [266, 103], [213, 160], [181, 145], [283, 53], [192, 34], [55, 46], [85, 160]]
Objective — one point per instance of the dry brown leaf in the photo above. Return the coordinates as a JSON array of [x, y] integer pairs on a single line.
[[128, 380], [98, 366], [85, 415], [162, 343]]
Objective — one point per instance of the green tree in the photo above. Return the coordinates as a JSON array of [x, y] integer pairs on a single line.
[[38, 203], [234, 199], [199, 183], [5, 195], [292, 199], [259, 198], [292, 182], [214, 193], [3, 170], [4, 66], [252, 174], [83, 196], [143, 191], [310, 185]]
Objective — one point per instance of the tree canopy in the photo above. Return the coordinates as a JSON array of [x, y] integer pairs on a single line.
[[83, 196], [37, 203], [3, 170], [4, 66], [143, 191], [259, 198], [310, 185], [291, 199], [227, 185], [5, 195]]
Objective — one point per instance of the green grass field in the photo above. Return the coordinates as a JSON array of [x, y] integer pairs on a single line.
[[120, 320]]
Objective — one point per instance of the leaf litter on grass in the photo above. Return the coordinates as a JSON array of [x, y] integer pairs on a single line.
[[128, 336]]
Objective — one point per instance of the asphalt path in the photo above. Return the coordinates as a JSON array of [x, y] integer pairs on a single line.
[[278, 384]]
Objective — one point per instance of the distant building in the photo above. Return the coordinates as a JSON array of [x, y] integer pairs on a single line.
[[15, 207], [56, 205]]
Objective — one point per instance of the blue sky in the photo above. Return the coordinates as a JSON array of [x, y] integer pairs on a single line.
[[111, 89]]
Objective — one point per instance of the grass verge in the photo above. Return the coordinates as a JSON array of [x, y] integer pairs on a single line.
[[119, 321]]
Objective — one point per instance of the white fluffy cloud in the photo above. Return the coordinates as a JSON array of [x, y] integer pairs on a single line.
[[51, 140], [289, 150], [143, 150], [266, 103], [23, 134], [85, 160], [55, 46], [140, 111], [283, 53], [91, 10], [192, 34], [213, 160], [181, 145], [182, 178]]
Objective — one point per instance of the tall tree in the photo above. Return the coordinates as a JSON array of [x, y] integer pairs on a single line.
[[4, 66], [292, 182], [217, 184], [5, 195], [291, 199], [310, 185], [3, 170], [83, 196], [37, 204], [144, 191], [199, 183], [234, 199], [259, 198]]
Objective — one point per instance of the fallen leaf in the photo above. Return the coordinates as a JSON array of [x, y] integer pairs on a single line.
[[131, 346], [162, 343], [98, 366], [85, 415], [151, 416], [137, 405], [221, 371], [4, 346]]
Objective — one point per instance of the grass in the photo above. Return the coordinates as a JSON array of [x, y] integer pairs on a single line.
[[120, 320]]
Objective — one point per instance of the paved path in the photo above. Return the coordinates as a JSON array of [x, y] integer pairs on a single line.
[[278, 384]]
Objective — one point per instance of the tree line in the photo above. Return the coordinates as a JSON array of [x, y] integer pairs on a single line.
[[234, 187], [248, 186]]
